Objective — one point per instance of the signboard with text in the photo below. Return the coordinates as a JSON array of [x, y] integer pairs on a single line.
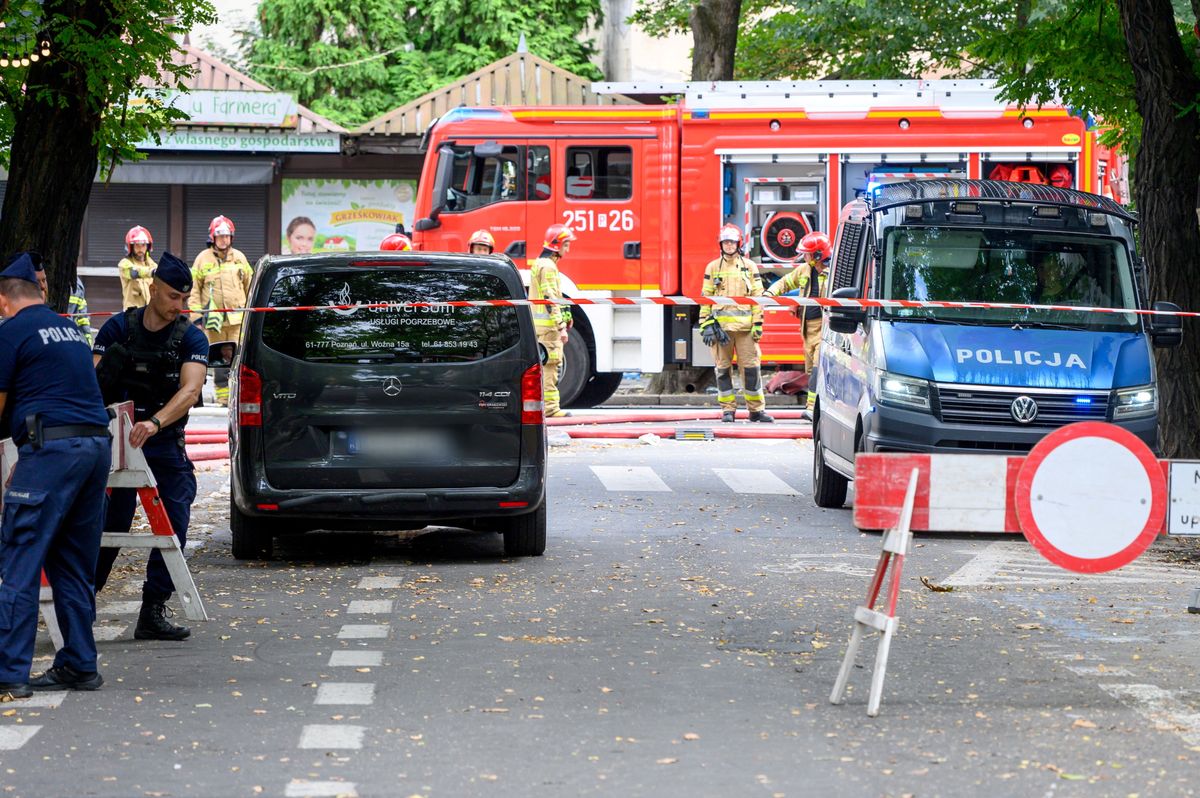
[[249, 141], [321, 215], [234, 108], [1184, 518]]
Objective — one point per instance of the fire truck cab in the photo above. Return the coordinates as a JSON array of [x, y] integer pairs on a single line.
[[646, 188]]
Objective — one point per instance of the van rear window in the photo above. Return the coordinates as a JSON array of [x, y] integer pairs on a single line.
[[436, 334]]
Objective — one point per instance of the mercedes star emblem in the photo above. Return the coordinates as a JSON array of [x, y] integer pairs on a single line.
[[391, 387]]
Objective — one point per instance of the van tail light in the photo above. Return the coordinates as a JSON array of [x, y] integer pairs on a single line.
[[531, 396], [249, 398]]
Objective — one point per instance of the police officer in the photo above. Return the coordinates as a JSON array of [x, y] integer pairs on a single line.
[[54, 503], [809, 279], [220, 279], [157, 358], [551, 322], [729, 329], [77, 306]]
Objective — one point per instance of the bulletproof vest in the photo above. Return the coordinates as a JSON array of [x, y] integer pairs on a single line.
[[146, 372]]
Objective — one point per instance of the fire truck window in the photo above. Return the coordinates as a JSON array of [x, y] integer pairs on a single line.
[[479, 181], [599, 173], [538, 170]]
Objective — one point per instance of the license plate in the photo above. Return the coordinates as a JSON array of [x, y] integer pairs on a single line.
[[398, 444]]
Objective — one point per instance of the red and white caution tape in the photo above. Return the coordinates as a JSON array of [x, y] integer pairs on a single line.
[[759, 301]]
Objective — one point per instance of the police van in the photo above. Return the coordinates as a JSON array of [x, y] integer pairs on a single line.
[[981, 379]]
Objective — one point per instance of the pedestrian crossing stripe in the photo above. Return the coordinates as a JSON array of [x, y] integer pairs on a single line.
[[640, 479]]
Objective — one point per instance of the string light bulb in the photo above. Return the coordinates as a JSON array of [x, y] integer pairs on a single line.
[[45, 47], [24, 62], [3, 62], [34, 56]]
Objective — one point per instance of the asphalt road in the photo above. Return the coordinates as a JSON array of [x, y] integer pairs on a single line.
[[679, 638]]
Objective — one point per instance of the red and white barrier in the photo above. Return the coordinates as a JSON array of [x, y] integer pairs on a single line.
[[1089, 496], [896, 543], [129, 470]]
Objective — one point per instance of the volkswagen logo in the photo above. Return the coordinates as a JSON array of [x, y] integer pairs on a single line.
[[391, 387], [1024, 410]]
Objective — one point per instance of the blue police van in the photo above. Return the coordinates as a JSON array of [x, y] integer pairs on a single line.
[[981, 379]]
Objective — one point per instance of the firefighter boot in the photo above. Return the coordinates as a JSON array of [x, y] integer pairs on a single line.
[[727, 417], [153, 624], [761, 416]]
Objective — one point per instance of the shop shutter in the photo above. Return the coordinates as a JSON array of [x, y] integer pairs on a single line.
[[245, 205], [112, 210]]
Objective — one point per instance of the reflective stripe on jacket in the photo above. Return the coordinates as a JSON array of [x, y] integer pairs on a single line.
[[135, 281], [544, 284], [736, 276], [77, 307], [218, 283]]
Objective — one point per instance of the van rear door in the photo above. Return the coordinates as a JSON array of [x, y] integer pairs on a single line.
[[392, 397]]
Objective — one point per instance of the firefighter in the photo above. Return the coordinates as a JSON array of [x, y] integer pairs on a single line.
[[78, 308], [552, 322], [730, 329], [220, 280], [396, 242], [136, 268], [481, 243], [815, 252]]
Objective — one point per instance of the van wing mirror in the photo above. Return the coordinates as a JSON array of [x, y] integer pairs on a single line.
[[1166, 331], [221, 354], [846, 320]]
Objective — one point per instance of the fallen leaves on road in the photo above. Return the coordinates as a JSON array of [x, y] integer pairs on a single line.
[[1080, 723], [1028, 626], [667, 760], [936, 588]]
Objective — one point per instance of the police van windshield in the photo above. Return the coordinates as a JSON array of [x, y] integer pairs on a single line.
[[1018, 266], [435, 334]]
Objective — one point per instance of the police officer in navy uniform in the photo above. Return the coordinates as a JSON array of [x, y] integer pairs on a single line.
[[54, 504], [155, 357]]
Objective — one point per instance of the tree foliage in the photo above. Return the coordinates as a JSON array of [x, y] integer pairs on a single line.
[[83, 106], [352, 60]]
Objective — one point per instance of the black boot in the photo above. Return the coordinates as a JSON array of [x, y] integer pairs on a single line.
[[761, 417], [153, 624], [727, 417]]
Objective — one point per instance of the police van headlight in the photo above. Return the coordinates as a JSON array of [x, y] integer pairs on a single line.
[[896, 389], [1134, 402]]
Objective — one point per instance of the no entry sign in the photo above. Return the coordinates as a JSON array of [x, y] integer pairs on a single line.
[[1091, 497]]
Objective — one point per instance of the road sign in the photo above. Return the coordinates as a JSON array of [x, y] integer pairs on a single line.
[[1091, 497], [1185, 498]]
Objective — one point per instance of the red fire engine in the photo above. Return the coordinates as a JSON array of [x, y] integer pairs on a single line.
[[646, 189]]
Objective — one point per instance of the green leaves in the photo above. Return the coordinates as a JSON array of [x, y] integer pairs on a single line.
[[353, 60]]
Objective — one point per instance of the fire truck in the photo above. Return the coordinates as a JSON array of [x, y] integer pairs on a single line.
[[646, 188]]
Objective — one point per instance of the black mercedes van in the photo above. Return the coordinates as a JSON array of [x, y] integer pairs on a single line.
[[387, 418]]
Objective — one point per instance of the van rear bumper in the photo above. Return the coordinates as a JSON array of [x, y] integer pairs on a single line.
[[889, 429], [379, 508]]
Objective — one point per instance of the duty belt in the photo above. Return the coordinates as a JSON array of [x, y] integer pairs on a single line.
[[66, 431]]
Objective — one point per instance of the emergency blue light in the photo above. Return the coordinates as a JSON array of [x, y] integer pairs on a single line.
[[1083, 400]]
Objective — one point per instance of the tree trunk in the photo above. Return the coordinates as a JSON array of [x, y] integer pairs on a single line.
[[1166, 175], [53, 156], [714, 38]]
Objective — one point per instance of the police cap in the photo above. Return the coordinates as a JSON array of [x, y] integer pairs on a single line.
[[174, 272], [21, 268], [34, 256]]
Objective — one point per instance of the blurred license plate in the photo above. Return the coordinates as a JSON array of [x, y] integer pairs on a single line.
[[399, 444]]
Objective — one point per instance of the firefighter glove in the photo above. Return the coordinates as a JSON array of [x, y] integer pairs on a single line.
[[722, 336], [708, 334], [757, 332]]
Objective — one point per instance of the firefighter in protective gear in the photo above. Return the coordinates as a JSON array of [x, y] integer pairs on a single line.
[[77, 307], [396, 242], [552, 322], [815, 252], [481, 243], [730, 329], [136, 268], [220, 280]]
